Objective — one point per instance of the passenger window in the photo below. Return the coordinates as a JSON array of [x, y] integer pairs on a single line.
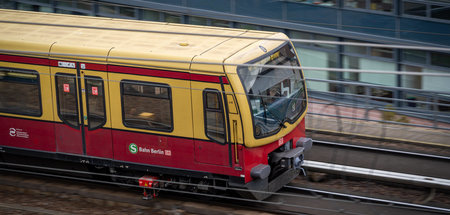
[[67, 99], [146, 105], [214, 118], [20, 92], [95, 102]]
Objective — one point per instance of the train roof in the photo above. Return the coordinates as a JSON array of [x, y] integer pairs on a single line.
[[115, 39]]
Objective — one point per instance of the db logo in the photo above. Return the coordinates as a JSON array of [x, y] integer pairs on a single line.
[[167, 153], [280, 141], [12, 132]]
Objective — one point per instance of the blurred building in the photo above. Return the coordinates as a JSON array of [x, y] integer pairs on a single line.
[[405, 22]]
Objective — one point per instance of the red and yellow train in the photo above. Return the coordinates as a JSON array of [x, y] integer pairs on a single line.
[[177, 106]]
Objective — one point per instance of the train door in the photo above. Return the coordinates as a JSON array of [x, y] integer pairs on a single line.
[[97, 132], [210, 127], [69, 138], [81, 107], [235, 125]]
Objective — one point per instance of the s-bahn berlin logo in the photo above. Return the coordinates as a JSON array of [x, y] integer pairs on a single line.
[[133, 148]]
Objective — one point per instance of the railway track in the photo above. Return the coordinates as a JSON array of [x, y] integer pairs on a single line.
[[374, 158], [357, 204], [299, 201]]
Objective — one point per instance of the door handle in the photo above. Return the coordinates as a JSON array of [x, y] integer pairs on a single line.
[[235, 133]]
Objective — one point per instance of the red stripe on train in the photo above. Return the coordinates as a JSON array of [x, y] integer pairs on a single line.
[[149, 72], [225, 80], [21, 59], [205, 78], [119, 69], [94, 66]]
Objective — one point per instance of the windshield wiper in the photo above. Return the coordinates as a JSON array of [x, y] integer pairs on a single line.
[[280, 122]]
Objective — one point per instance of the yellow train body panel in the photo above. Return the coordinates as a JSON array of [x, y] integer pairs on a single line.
[[150, 45]]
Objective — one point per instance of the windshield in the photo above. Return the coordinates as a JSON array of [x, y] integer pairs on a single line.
[[276, 95]]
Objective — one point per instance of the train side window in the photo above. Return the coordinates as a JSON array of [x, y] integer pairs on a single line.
[[67, 99], [20, 92], [95, 102], [214, 118], [146, 105]]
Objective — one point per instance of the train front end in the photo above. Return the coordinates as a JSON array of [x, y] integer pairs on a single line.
[[272, 98]]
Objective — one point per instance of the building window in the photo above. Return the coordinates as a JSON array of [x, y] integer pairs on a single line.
[[382, 52], [329, 3], [380, 5], [356, 3], [172, 18], [431, 9], [416, 56], [7, 4], [107, 9], [150, 15], [35, 7], [214, 118], [127, 12], [425, 83], [440, 59], [317, 55], [247, 26], [75, 4], [412, 81], [327, 38], [310, 36], [146, 105], [220, 23], [380, 92], [20, 92], [440, 12], [272, 29], [320, 59], [194, 20], [74, 7], [355, 49], [301, 35]]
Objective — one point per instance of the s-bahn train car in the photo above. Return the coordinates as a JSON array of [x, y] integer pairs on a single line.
[[142, 97]]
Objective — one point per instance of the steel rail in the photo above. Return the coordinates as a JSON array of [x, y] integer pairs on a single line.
[[378, 174], [382, 150], [272, 203], [168, 190], [32, 210], [376, 163], [383, 121], [165, 189], [361, 97], [366, 108], [446, 210], [102, 61]]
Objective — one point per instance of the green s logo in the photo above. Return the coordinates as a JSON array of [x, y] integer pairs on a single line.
[[133, 148]]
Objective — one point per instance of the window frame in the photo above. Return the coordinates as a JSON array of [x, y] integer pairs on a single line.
[[368, 9], [428, 9], [169, 97], [26, 71], [59, 74], [86, 77], [220, 110], [336, 5]]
